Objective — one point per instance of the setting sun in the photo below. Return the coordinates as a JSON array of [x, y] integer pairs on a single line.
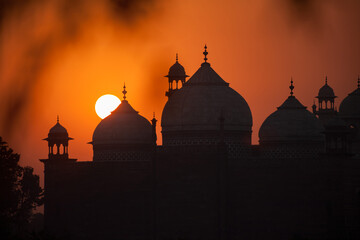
[[106, 104]]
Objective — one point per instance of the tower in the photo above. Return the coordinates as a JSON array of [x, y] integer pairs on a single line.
[[326, 102], [58, 143], [176, 74], [55, 167]]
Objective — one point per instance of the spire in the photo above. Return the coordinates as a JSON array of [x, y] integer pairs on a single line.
[[291, 87], [358, 81], [124, 92], [314, 107], [326, 80], [153, 123], [205, 53], [177, 57], [57, 119]]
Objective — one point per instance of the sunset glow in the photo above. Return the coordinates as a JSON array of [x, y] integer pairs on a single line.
[[106, 104], [255, 46]]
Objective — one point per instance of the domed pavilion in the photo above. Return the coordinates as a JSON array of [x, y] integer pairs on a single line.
[[326, 101]]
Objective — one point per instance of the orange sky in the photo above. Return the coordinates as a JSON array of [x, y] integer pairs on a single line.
[[58, 58]]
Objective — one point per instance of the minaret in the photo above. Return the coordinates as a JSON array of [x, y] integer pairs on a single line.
[[58, 158], [176, 77], [326, 103]]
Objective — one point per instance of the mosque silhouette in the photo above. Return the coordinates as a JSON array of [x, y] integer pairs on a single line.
[[207, 181]]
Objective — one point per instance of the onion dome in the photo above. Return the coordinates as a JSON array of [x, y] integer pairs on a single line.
[[123, 126], [350, 106], [176, 70], [291, 123], [198, 105]]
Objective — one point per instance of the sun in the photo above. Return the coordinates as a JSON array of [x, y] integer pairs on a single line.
[[106, 104]]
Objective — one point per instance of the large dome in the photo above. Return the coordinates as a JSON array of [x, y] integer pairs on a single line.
[[123, 126], [199, 104], [350, 106], [291, 123]]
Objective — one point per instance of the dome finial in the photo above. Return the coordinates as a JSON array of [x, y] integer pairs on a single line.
[[57, 119], [326, 80], [205, 53], [124, 92], [177, 57], [291, 87]]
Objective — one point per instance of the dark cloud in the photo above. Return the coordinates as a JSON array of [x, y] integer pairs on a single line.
[[304, 12]]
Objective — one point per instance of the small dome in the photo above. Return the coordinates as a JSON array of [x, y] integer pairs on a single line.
[[58, 128], [123, 126], [291, 123], [58, 131], [350, 106], [326, 92], [176, 71]]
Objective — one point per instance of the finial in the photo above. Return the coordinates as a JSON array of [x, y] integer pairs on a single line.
[[57, 119], [291, 87], [205, 53], [153, 114], [177, 58], [358, 81], [326, 80], [124, 92]]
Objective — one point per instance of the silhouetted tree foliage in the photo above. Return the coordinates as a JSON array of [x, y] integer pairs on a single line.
[[20, 193]]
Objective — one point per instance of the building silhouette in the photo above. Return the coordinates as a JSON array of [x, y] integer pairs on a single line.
[[206, 181]]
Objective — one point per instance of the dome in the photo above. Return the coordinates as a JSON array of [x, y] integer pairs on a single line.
[[326, 92], [201, 101], [123, 126], [58, 128], [291, 123], [177, 70], [350, 106], [58, 131]]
